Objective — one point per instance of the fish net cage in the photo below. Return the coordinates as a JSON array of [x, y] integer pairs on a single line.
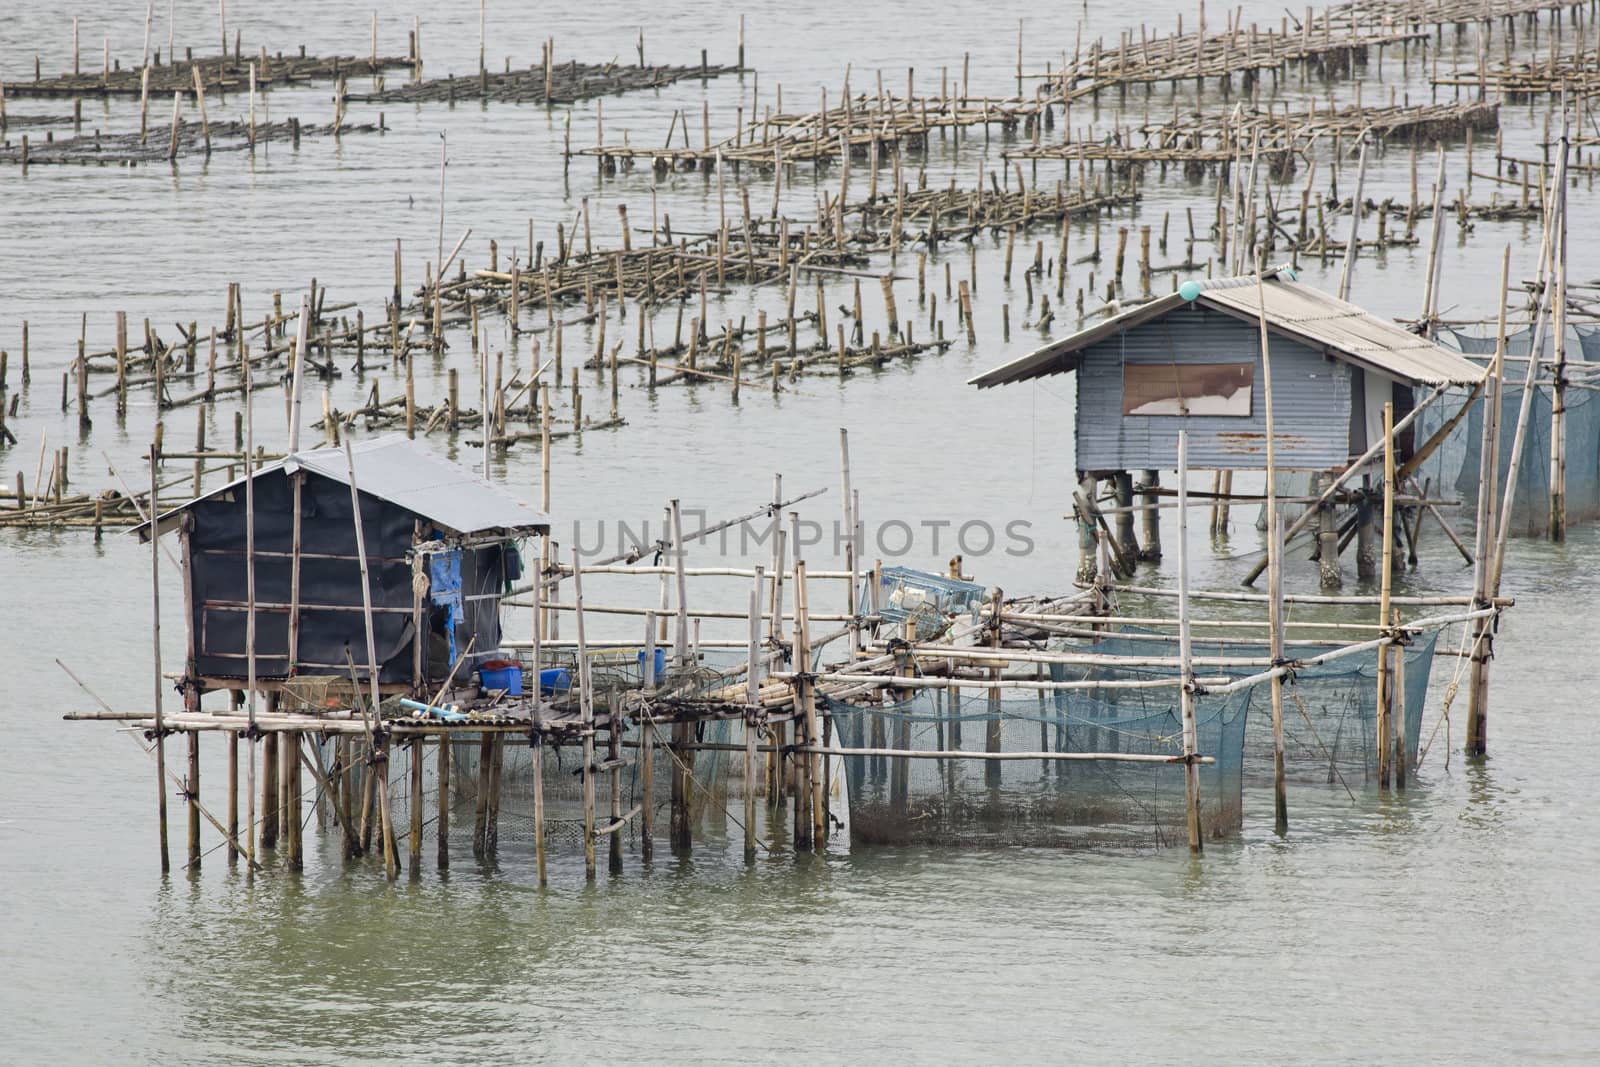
[[1455, 467], [1038, 802], [1330, 710], [926, 601], [715, 777], [1329, 729], [715, 782]]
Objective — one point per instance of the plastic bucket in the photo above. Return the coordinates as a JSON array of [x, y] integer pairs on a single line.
[[507, 678]]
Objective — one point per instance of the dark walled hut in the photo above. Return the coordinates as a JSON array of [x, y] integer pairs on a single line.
[[1192, 361], [441, 547]]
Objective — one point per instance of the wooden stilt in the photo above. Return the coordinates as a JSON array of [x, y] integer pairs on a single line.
[[269, 787], [480, 811], [414, 844], [1402, 753], [233, 797], [491, 829], [537, 747], [1327, 538], [191, 789], [380, 770], [293, 812], [443, 818], [1150, 519]]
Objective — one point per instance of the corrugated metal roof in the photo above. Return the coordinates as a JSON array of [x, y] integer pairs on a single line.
[[1059, 357], [1320, 318], [397, 469], [1292, 309]]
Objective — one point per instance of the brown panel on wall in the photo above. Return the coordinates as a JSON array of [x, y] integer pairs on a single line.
[[1187, 388]]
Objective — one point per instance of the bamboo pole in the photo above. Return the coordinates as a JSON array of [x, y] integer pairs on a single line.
[[1280, 793], [1478, 681], [391, 861], [647, 747], [1430, 301], [816, 834], [753, 699], [586, 711], [155, 633], [1385, 579], [250, 608], [1191, 770], [1558, 397]]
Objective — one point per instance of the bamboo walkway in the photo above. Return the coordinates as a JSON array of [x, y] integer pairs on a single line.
[[544, 83], [1218, 138], [219, 73]]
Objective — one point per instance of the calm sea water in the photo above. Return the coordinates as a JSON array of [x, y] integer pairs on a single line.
[[1455, 921]]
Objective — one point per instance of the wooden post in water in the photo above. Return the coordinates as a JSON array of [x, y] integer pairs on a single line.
[[1488, 470], [414, 842], [1150, 518], [249, 615], [480, 809], [1280, 796], [535, 727], [752, 711], [1191, 768], [647, 746], [682, 780], [1558, 370], [1385, 723], [155, 633], [289, 754], [816, 835], [586, 711], [1402, 753], [993, 736], [233, 794]]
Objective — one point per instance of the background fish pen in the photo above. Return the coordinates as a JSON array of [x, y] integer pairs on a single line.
[[1455, 467]]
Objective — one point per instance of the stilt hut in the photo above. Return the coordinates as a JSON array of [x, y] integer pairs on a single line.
[[1192, 360], [441, 547]]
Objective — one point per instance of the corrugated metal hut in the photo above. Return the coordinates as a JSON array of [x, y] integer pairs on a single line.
[[1192, 361], [441, 547]]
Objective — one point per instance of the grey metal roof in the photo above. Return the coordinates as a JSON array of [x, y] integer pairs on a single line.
[[397, 469], [1293, 310]]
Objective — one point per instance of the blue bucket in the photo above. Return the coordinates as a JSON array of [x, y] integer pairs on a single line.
[[507, 678], [555, 680], [661, 663]]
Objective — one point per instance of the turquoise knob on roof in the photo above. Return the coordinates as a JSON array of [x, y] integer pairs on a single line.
[[1189, 290]]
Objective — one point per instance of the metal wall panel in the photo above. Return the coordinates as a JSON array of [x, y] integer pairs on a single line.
[[1311, 401]]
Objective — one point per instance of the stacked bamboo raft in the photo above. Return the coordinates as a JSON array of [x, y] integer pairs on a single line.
[[183, 138], [545, 83], [218, 74], [860, 125], [1219, 138]]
